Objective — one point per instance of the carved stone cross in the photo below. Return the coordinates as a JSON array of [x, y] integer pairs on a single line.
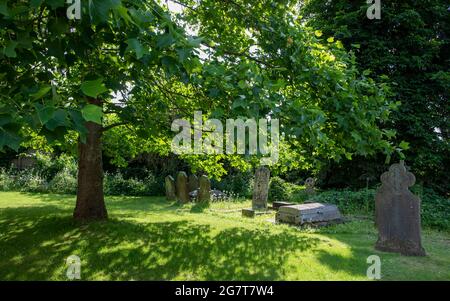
[[397, 213]]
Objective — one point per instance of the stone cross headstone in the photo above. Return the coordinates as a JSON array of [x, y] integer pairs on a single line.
[[309, 183], [193, 183], [182, 187], [261, 188], [204, 193], [397, 213], [170, 189]]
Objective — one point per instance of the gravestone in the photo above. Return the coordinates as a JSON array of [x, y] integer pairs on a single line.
[[170, 189], [204, 192], [309, 183], [397, 213], [261, 188], [182, 187], [193, 183]]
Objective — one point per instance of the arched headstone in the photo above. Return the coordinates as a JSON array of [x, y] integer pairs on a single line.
[[182, 187], [397, 213], [170, 189], [204, 194], [193, 183], [309, 183]]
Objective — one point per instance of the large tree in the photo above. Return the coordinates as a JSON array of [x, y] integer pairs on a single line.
[[147, 64], [409, 44]]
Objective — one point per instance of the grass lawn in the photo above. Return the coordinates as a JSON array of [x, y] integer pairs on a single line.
[[148, 238]]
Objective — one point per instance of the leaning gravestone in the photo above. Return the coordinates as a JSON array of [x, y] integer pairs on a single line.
[[309, 183], [397, 213], [193, 183], [170, 189], [261, 188], [204, 193], [182, 187]]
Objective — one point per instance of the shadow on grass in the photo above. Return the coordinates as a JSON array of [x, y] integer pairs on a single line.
[[34, 247], [200, 207]]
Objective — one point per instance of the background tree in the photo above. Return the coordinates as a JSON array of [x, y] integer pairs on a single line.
[[410, 46], [137, 61]]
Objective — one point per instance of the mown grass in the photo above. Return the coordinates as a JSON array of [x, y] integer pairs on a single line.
[[148, 238]]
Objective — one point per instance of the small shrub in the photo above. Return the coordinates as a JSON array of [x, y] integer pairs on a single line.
[[6, 180], [116, 184], [64, 182], [28, 180], [349, 202], [279, 190], [435, 210], [238, 183]]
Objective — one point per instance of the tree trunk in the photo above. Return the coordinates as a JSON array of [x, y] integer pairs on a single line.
[[90, 201]]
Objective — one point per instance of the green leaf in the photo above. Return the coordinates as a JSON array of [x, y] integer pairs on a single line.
[[59, 119], [36, 3], [10, 49], [93, 88], [240, 102], [41, 93], [55, 3], [136, 46], [9, 139], [92, 113], [99, 9], [3, 8], [165, 40], [404, 145], [78, 124], [242, 84], [45, 113]]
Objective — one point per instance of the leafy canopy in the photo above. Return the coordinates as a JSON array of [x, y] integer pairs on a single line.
[[147, 65]]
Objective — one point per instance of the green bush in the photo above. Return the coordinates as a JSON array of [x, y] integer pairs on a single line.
[[348, 201], [116, 184], [435, 210], [64, 182], [6, 180], [279, 191], [239, 184], [59, 175], [48, 166], [22, 180]]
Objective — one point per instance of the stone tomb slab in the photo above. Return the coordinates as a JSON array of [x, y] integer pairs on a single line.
[[249, 212], [277, 205], [311, 213]]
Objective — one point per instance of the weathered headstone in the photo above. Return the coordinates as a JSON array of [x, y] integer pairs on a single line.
[[204, 192], [193, 183], [182, 187], [260, 188], [309, 183], [170, 189], [397, 213]]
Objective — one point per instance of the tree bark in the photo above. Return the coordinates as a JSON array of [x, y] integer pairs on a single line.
[[90, 200]]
